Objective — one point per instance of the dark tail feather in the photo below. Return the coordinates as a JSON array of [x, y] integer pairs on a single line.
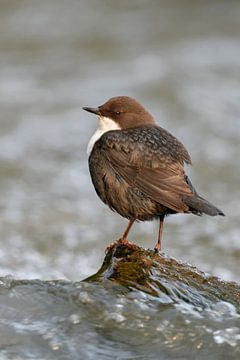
[[198, 205]]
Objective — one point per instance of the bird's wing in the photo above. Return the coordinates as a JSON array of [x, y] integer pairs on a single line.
[[146, 160]]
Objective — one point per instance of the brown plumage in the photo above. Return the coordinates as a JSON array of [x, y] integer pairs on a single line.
[[137, 168]]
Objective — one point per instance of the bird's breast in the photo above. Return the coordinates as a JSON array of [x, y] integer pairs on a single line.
[[105, 124]]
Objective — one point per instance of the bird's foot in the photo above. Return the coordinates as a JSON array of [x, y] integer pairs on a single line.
[[157, 248], [121, 241]]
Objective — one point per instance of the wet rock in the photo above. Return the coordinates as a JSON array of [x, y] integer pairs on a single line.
[[162, 276]]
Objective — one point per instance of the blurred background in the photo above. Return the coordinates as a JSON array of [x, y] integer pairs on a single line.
[[181, 59]]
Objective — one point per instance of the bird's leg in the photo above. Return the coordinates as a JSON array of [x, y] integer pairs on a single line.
[[124, 239], [158, 245]]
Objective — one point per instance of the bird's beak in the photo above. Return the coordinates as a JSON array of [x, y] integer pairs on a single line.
[[92, 110]]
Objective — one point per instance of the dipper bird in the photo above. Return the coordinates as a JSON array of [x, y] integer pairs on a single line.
[[137, 167]]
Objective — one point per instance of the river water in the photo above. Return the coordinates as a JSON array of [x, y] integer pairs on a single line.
[[181, 59]]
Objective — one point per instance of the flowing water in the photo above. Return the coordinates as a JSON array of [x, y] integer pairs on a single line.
[[181, 59]]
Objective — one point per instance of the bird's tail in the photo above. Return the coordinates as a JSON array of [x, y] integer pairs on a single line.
[[199, 205]]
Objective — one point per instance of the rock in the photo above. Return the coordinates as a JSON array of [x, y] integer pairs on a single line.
[[162, 276]]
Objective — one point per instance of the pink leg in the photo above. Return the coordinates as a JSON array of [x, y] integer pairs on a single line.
[[158, 246], [123, 239]]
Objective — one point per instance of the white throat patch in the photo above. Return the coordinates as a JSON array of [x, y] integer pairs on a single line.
[[105, 124]]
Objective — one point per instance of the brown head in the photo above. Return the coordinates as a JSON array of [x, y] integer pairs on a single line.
[[123, 111]]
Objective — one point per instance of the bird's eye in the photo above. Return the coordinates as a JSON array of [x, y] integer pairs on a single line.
[[117, 112]]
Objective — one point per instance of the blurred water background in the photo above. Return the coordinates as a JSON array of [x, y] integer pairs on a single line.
[[181, 59]]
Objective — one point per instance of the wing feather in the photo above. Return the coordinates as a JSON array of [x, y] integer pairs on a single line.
[[164, 185], [145, 168]]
